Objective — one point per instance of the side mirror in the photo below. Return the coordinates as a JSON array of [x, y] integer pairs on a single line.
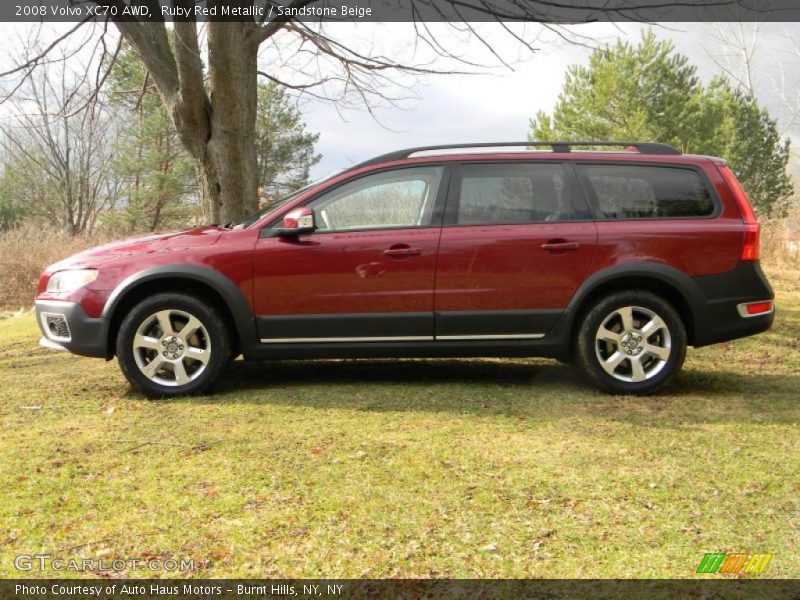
[[297, 222]]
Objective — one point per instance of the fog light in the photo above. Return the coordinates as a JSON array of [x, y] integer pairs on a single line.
[[56, 327]]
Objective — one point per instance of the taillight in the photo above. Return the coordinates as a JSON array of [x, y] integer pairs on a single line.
[[751, 242], [752, 238]]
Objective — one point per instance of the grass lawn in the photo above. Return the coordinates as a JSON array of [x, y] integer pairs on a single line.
[[459, 468]]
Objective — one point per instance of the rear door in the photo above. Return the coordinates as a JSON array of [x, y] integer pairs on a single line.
[[517, 242]]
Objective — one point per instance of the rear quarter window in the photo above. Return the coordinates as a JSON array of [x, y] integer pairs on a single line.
[[647, 192]]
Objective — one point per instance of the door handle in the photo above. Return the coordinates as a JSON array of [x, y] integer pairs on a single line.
[[402, 251], [560, 246]]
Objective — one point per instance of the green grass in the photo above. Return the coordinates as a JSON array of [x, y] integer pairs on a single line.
[[460, 468]]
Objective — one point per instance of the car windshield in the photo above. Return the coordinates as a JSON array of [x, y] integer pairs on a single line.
[[254, 218]]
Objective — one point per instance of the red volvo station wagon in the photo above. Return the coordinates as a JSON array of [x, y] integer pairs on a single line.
[[616, 260]]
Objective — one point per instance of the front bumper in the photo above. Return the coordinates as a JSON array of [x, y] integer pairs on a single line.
[[85, 336]]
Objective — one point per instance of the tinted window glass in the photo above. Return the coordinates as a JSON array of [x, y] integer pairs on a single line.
[[647, 192], [401, 198], [520, 193]]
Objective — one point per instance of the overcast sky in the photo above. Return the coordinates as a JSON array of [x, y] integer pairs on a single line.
[[496, 104]]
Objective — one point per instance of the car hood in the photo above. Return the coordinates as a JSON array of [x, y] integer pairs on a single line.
[[148, 244]]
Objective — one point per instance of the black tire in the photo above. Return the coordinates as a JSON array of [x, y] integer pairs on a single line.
[[209, 344], [659, 352]]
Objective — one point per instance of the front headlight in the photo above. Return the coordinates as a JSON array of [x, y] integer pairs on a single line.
[[67, 281]]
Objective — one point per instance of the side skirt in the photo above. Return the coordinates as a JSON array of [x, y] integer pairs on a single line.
[[549, 347]]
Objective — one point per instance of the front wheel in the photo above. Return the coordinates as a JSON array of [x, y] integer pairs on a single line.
[[631, 342], [173, 344]]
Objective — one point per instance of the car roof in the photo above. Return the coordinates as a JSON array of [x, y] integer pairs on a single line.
[[554, 146], [559, 150]]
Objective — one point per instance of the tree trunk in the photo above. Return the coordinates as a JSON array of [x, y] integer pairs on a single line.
[[224, 149], [229, 170], [217, 125]]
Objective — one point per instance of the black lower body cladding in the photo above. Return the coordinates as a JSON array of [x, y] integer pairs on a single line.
[[718, 319], [88, 336]]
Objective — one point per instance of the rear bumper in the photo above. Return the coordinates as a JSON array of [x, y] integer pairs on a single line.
[[86, 336], [730, 329], [719, 319]]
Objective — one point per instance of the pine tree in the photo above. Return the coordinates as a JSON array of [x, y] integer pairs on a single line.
[[649, 92]]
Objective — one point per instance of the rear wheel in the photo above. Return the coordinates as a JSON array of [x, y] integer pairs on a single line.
[[631, 342], [173, 344]]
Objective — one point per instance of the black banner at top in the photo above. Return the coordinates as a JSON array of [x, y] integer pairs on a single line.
[[551, 11]]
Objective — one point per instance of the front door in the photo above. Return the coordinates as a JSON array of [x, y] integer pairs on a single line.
[[518, 241], [365, 274]]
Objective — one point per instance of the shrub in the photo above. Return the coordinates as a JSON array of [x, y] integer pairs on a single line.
[[26, 250]]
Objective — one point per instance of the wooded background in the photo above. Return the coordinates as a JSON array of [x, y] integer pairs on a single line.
[[149, 126]]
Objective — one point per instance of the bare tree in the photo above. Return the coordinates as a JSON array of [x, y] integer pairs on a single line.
[[785, 82], [215, 116], [762, 60], [58, 150], [733, 51]]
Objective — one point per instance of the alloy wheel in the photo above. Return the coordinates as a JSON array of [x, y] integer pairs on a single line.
[[633, 344], [172, 347]]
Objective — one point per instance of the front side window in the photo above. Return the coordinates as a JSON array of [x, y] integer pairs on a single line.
[[515, 193], [647, 192], [393, 199]]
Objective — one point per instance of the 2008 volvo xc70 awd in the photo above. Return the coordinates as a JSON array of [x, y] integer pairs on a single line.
[[616, 259]]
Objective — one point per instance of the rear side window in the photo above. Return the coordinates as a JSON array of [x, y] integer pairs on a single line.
[[491, 194], [647, 192]]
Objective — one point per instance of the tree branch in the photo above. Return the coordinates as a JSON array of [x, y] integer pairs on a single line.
[[151, 43], [33, 62], [265, 32]]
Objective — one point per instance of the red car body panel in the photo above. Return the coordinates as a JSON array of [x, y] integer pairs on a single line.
[[432, 272], [229, 252], [487, 267], [692, 248], [504, 267], [346, 272]]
